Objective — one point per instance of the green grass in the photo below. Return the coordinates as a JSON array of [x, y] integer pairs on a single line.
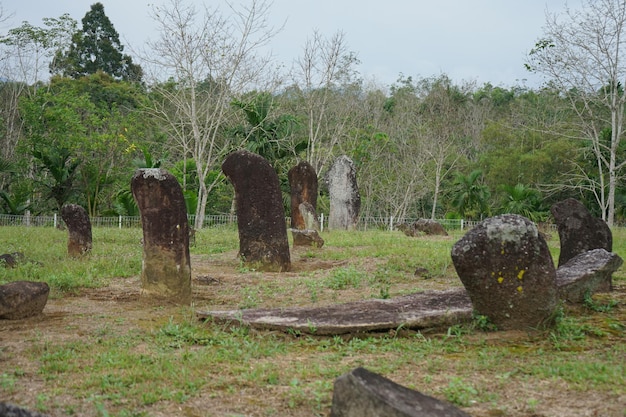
[[166, 360]]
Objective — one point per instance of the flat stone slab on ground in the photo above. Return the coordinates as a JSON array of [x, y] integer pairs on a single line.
[[429, 309]]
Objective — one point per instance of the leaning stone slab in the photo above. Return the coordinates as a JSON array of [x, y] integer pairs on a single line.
[[579, 231], [10, 410], [361, 393], [586, 274], [431, 309], [307, 237], [79, 229], [22, 299], [166, 264], [263, 241], [508, 272]]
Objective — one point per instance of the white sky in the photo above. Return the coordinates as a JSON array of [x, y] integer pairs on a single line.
[[469, 40]]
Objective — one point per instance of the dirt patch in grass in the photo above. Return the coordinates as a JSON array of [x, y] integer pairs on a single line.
[[109, 351]]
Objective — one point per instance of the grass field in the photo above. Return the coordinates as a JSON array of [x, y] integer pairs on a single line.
[[100, 349]]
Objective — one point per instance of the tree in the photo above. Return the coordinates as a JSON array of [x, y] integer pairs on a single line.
[[471, 198], [581, 54], [525, 201], [25, 53], [323, 75], [95, 48], [210, 59]]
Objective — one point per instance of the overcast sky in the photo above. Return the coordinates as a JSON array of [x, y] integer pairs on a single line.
[[469, 40]]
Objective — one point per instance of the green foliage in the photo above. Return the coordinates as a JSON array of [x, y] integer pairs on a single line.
[[525, 201], [96, 48], [62, 167], [471, 198], [342, 278]]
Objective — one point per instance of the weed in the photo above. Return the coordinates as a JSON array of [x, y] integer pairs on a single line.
[[344, 277], [460, 392], [593, 305], [483, 323]]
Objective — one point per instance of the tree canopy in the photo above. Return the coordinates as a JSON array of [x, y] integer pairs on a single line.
[[96, 47]]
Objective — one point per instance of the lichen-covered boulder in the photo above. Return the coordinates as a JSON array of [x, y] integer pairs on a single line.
[[508, 272], [579, 231]]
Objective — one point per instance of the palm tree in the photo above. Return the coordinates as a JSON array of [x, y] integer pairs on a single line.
[[525, 201], [471, 199]]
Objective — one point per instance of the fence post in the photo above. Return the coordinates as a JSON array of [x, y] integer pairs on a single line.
[[55, 220], [321, 222], [391, 223], [120, 222], [462, 224]]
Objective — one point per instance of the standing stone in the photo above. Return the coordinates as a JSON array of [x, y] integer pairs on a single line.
[[303, 184], [361, 393], [579, 231], [508, 272], [166, 266], [79, 229], [263, 241], [345, 200]]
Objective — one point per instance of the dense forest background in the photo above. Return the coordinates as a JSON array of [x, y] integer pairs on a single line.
[[78, 115]]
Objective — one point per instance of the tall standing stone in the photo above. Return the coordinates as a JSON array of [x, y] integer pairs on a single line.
[[579, 231], [345, 200], [263, 240], [79, 228], [303, 184], [508, 272], [166, 266]]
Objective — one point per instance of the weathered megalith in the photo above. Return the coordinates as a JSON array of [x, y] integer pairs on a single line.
[[263, 241], [307, 237], [508, 272], [423, 227], [345, 200], [166, 265], [79, 229], [22, 299], [430, 227], [578, 230], [361, 393], [303, 185], [587, 273]]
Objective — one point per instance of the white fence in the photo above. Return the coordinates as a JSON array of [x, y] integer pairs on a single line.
[[121, 222]]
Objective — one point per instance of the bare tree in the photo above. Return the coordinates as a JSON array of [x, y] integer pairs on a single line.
[[25, 53], [324, 66], [208, 59], [581, 54]]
